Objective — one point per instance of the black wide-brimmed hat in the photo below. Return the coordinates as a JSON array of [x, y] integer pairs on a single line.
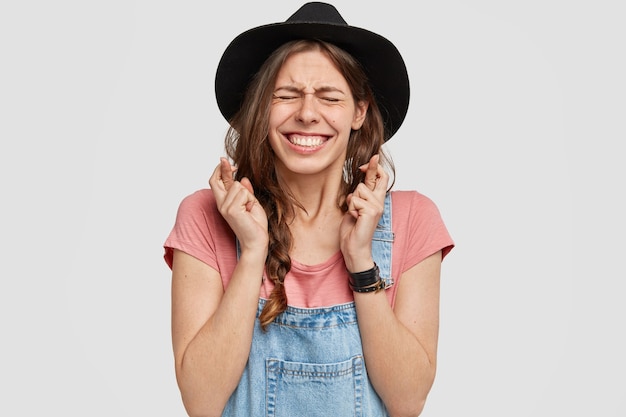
[[380, 59]]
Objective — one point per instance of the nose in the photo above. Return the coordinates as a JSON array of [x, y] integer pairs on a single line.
[[308, 112]]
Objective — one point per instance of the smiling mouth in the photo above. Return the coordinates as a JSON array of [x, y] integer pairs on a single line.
[[307, 141]]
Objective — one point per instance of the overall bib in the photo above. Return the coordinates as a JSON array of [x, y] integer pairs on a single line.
[[309, 362]]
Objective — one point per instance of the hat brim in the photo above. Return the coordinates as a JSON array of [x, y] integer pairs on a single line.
[[380, 59]]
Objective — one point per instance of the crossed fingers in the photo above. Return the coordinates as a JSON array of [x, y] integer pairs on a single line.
[[222, 178], [375, 176], [370, 194]]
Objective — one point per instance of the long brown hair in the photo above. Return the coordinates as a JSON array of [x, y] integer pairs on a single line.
[[247, 144]]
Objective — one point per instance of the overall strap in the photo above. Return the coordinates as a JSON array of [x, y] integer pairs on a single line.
[[382, 243]]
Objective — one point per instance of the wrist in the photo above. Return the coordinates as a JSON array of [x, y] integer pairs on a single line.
[[359, 263], [253, 255], [365, 281]]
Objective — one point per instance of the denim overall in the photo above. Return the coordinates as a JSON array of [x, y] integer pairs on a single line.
[[310, 362]]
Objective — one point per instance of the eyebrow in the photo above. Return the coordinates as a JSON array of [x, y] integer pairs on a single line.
[[323, 89]]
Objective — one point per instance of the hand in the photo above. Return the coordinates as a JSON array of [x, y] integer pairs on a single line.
[[365, 206], [241, 209]]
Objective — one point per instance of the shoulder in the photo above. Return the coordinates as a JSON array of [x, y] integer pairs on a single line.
[[199, 209], [198, 218], [201, 202], [417, 216], [417, 219], [410, 201], [200, 230], [200, 198]]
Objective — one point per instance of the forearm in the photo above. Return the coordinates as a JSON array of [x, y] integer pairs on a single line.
[[398, 365], [213, 362]]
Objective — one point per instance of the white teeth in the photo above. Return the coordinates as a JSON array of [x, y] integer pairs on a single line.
[[306, 141]]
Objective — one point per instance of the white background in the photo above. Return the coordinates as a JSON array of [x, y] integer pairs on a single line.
[[515, 129]]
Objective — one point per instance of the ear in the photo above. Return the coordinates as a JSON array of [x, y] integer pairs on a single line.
[[359, 114]]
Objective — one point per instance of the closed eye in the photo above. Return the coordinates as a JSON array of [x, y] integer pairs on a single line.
[[284, 97]]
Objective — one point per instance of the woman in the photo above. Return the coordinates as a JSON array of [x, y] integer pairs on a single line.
[[301, 286]]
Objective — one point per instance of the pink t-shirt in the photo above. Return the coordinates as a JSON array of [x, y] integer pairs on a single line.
[[202, 232]]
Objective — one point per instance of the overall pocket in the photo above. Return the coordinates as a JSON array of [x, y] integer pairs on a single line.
[[297, 389]]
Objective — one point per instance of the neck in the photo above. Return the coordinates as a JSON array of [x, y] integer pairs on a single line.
[[317, 194]]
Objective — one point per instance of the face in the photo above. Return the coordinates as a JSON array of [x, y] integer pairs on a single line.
[[311, 116]]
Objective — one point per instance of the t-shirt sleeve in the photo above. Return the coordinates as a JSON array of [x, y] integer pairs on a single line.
[[194, 231], [426, 232]]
